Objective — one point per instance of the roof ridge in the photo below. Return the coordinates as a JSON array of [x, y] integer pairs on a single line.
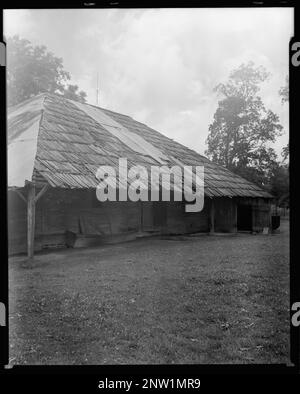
[[117, 113], [96, 106], [79, 156], [194, 151], [11, 108]]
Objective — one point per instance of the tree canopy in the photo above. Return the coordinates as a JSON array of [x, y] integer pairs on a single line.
[[242, 127], [33, 69], [284, 91], [280, 184]]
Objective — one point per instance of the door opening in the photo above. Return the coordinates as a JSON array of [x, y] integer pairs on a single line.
[[244, 218]]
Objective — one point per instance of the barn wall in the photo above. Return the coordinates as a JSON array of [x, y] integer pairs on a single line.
[[80, 212], [84, 214], [261, 212], [181, 222], [225, 218], [58, 211], [17, 223]]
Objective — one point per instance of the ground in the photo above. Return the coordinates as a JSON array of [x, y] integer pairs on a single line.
[[205, 299]]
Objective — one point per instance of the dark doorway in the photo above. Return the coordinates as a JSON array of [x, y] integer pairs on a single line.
[[244, 218]]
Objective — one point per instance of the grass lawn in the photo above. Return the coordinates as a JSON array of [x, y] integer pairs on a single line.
[[206, 299]]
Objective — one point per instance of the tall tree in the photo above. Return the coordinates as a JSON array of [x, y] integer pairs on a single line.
[[284, 93], [279, 184], [242, 127], [72, 92], [285, 152], [33, 69]]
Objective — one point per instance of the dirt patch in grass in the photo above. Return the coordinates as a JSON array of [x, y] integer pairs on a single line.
[[210, 300]]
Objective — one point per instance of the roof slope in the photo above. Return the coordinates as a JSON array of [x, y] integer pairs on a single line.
[[23, 129], [72, 140]]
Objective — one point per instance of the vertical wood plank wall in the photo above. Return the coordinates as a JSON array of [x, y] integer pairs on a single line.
[[80, 212], [225, 214], [17, 223]]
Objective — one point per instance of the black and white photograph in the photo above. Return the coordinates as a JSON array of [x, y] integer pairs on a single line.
[[148, 193]]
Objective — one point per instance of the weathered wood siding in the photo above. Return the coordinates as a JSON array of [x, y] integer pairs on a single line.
[[80, 212], [17, 223], [84, 214], [225, 215], [181, 222], [261, 212]]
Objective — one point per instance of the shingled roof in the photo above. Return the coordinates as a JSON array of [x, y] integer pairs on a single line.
[[58, 141]]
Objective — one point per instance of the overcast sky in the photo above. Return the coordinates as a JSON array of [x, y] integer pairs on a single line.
[[160, 65]]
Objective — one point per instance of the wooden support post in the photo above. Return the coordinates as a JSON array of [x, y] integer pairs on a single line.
[[212, 216], [20, 194], [30, 220], [41, 192]]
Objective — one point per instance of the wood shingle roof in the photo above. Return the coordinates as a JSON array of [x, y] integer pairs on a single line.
[[64, 143]]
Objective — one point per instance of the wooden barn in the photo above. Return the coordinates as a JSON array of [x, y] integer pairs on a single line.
[[55, 147]]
